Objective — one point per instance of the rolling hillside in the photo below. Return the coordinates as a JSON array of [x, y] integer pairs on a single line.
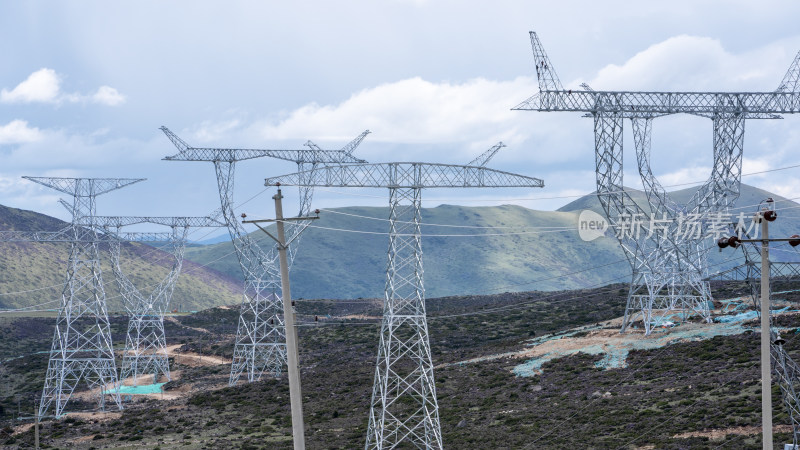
[[33, 273], [481, 250], [345, 264]]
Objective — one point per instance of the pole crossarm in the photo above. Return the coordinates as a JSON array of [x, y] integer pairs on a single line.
[[309, 155], [278, 242], [405, 175]]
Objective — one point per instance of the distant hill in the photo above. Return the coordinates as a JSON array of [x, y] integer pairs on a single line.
[[34, 273], [788, 222], [483, 250], [222, 237], [340, 264]]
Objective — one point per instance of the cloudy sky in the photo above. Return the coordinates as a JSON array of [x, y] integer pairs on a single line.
[[86, 85]]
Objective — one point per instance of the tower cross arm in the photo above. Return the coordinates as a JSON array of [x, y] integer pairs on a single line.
[[84, 187], [186, 222], [405, 175], [65, 235], [146, 237], [68, 235], [638, 103], [484, 158], [311, 155]]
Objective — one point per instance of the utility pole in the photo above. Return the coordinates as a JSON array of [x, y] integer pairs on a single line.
[[766, 369], [292, 353], [37, 419], [764, 217]]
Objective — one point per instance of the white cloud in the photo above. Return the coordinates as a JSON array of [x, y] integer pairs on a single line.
[[415, 119], [107, 95], [415, 110], [40, 86], [684, 178], [754, 166], [44, 86], [215, 131], [787, 188], [18, 132], [694, 63]]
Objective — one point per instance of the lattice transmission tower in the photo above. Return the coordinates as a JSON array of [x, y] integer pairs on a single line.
[[404, 409], [667, 270], [145, 350], [82, 348], [261, 337]]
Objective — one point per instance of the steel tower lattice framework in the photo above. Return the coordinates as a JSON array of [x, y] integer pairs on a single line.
[[82, 348], [404, 409], [145, 344], [667, 271], [260, 337]]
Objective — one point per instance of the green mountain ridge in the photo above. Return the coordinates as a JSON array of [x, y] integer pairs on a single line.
[[34, 273], [525, 256], [476, 250]]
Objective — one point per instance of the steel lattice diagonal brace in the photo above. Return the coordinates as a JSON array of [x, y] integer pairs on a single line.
[[404, 409], [145, 345], [681, 260], [650, 252], [145, 350], [260, 338], [787, 374], [82, 348]]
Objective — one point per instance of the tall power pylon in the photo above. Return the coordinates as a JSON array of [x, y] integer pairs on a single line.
[[260, 338], [145, 344], [667, 270], [404, 409], [81, 347]]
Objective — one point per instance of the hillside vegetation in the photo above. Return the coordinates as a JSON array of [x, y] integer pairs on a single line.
[[703, 394], [481, 250], [34, 273], [527, 255]]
